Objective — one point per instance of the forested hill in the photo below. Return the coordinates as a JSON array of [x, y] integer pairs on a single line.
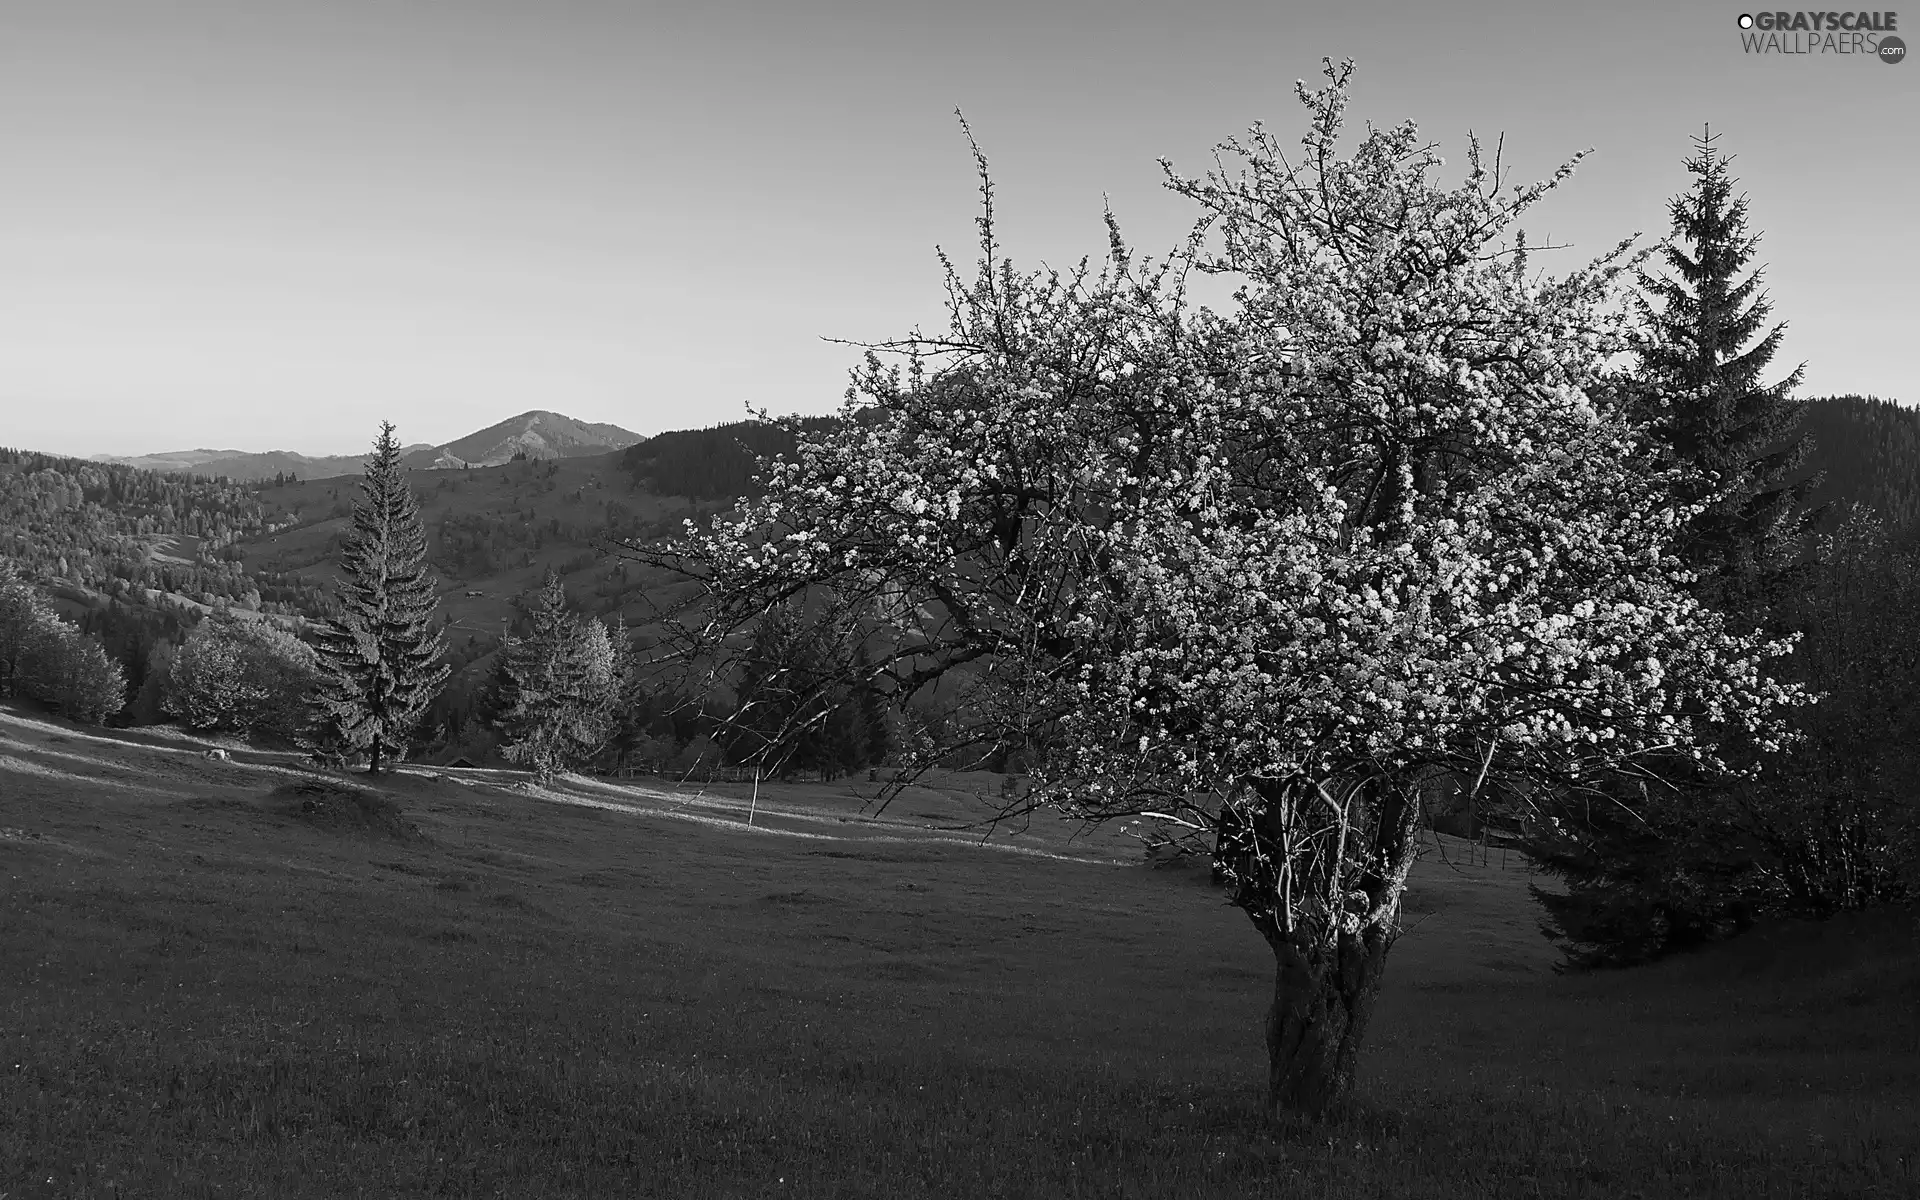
[[135, 556], [1870, 451], [90, 524], [711, 464], [117, 530]]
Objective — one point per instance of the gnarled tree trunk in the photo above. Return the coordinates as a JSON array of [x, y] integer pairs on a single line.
[[1323, 995], [1322, 881]]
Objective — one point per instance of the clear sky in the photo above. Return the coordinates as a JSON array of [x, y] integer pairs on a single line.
[[269, 225]]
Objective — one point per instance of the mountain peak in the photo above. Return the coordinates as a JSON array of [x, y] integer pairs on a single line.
[[538, 434]]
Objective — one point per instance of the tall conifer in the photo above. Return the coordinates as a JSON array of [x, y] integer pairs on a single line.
[[627, 707], [1704, 381], [1648, 876], [561, 683], [381, 653]]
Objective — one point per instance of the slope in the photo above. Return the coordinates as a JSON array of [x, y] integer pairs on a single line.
[[222, 983]]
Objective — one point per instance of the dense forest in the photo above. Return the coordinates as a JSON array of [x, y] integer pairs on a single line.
[[712, 464], [1869, 450], [114, 529]]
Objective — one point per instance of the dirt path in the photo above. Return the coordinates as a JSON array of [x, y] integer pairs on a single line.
[[168, 763]]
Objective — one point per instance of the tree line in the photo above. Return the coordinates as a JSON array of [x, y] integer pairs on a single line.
[[565, 693]]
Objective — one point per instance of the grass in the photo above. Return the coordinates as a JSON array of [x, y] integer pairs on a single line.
[[225, 980]]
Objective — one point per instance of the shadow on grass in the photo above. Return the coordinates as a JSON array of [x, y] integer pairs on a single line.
[[340, 807]]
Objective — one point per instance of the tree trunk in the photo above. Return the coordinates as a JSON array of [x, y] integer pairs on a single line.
[[1322, 997]]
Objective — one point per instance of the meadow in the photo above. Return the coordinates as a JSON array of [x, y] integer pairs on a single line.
[[242, 979]]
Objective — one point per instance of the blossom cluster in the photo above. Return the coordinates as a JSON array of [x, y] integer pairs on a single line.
[[1381, 517]]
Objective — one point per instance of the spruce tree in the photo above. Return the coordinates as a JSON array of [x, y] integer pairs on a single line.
[[873, 710], [1648, 876], [496, 696], [1712, 411], [381, 654], [794, 712], [627, 702], [562, 682]]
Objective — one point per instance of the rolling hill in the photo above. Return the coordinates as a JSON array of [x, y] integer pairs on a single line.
[[492, 532], [173, 460]]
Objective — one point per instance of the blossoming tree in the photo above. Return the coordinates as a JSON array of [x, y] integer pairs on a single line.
[[1270, 570]]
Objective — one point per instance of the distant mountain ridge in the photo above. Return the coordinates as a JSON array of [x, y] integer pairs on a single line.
[[537, 434], [171, 460]]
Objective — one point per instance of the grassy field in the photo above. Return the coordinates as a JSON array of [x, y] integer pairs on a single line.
[[232, 979]]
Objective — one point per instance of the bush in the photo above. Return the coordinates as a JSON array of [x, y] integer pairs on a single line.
[[241, 675], [45, 659], [86, 684], [1644, 878], [700, 754], [651, 751]]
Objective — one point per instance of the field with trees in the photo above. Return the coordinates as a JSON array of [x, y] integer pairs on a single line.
[[890, 815], [231, 979]]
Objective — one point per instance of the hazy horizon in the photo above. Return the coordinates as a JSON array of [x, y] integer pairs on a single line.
[[361, 452], [269, 226]]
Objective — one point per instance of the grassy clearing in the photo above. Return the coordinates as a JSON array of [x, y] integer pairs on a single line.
[[209, 989]]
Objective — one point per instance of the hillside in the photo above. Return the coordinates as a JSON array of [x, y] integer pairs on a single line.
[[120, 530], [494, 531], [136, 556], [717, 463], [1868, 449], [492, 534], [244, 979]]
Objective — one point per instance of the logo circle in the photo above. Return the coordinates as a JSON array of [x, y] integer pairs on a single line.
[[1892, 50], [1746, 20]]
